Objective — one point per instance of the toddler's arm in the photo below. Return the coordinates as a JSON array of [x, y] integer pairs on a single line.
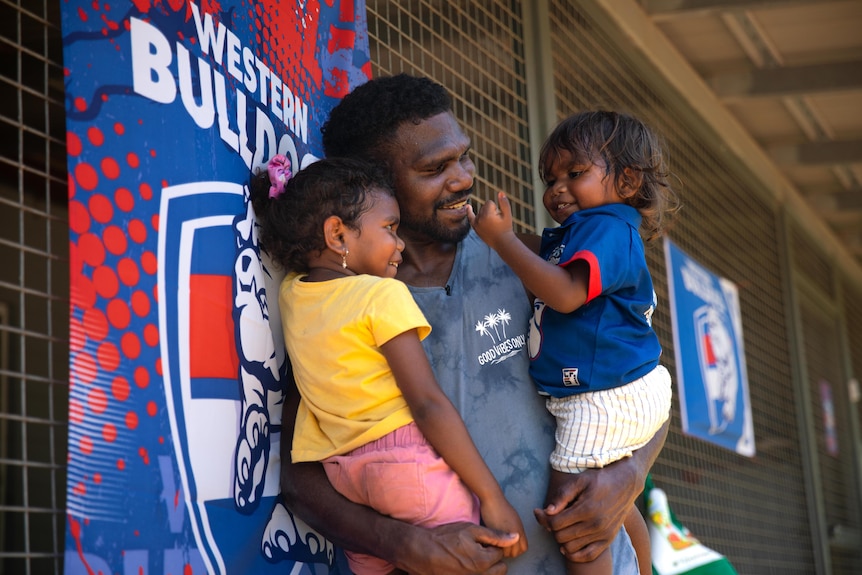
[[438, 420], [562, 288]]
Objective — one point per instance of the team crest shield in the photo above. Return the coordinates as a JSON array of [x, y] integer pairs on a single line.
[[222, 377]]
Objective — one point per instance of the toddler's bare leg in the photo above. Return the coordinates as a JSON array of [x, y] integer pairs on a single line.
[[639, 534]]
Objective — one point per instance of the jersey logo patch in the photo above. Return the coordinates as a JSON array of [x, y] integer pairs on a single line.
[[570, 377]]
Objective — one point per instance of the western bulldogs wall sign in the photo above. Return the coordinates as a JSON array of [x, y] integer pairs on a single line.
[[176, 358], [710, 358]]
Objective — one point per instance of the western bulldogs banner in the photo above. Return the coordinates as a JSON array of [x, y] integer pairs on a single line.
[[710, 359], [175, 371]]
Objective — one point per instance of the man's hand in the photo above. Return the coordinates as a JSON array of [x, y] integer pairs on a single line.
[[586, 510], [457, 549]]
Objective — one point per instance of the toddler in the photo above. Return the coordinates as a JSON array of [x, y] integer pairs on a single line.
[[593, 351]]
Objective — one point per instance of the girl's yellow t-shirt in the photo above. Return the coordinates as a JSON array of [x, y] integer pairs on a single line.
[[333, 331]]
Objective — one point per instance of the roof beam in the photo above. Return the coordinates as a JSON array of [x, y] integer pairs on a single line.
[[842, 221], [818, 153], [849, 200], [789, 81], [839, 200], [654, 55], [830, 189], [659, 9]]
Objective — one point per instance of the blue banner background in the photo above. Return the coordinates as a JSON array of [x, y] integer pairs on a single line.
[[711, 375], [176, 361]]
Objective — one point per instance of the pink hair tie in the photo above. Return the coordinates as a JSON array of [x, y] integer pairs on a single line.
[[279, 172]]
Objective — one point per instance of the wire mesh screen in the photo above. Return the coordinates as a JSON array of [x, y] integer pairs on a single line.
[[476, 50], [852, 306], [752, 510], [829, 406], [832, 433], [809, 262], [34, 290]]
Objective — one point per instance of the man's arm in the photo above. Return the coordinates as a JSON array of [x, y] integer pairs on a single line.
[[459, 548], [587, 512]]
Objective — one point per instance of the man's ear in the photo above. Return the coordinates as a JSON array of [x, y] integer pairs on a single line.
[[629, 183], [333, 234]]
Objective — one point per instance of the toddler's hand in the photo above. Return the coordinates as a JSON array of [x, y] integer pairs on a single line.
[[492, 223], [500, 515]]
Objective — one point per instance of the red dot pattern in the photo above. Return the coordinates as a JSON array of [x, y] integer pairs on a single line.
[[109, 432], [113, 220], [95, 324], [95, 136], [91, 249], [86, 176], [137, 231], [73, 144], [101, 208], [119, 314], [128, 271], [142, 377], [79, 217], [131, 345], [97, 401], [105, 280], [112, 276], [141, 306], [120, 388], [110, 168], [124, 199]]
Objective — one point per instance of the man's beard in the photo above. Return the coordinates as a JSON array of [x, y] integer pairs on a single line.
[[431, 228]]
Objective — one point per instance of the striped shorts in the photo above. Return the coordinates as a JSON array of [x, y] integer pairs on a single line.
[[597, 428]]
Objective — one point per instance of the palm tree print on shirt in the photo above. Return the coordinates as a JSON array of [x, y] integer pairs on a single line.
[[494, 321]]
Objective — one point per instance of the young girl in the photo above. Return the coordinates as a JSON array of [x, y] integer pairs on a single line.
[[592, 347], [371, 409]]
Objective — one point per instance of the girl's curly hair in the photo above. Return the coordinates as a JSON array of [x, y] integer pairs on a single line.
[[291, 225], [621, 141]]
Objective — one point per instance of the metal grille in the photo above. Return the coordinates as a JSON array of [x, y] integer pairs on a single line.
[[753, 511], [34, 289], [829, 401], [852, 313], [831, 430], [853, 326], [811, 264]]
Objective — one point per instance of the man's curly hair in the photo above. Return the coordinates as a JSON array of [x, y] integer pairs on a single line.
[[364, 123]]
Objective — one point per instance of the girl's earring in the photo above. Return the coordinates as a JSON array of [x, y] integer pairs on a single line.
[[344, 258]]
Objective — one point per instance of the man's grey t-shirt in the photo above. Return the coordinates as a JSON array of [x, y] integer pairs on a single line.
[[478, 350]]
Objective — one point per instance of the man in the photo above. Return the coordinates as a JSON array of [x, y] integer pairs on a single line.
[[479, 314]]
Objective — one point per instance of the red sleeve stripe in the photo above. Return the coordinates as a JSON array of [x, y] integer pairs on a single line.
[[594, 289]]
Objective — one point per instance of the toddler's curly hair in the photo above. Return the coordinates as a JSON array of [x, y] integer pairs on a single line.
[[621, 141]]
